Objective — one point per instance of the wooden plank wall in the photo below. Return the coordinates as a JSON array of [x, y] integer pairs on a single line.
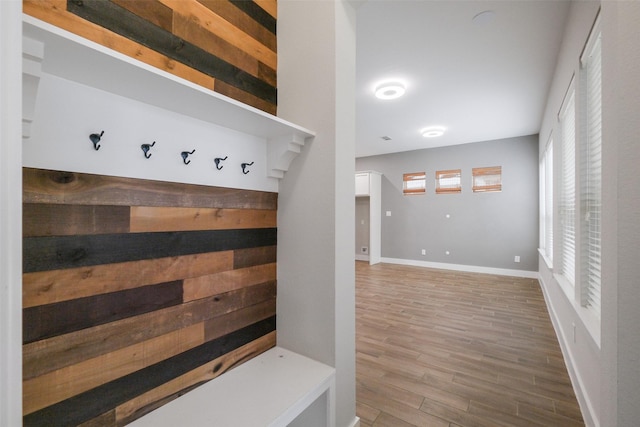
[[136, 291], [228, 46]]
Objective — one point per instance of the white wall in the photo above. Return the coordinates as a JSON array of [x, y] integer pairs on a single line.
[[316, 291], [10, 214], [620, 373], [603, 358]]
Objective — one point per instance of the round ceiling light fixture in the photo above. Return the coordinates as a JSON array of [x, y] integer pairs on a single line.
[[390, 90], [432, 131]]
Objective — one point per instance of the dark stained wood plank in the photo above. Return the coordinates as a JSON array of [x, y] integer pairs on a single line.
[[48, 287], [267, 74], [39, 219], [150, 10], [96, 401], [241, 20], [249, 257], [257, 13], [144, 403], [54, 353], [145, 219], [53, 253], [46, 186], [127, 24], [270, 6], [50, 320]]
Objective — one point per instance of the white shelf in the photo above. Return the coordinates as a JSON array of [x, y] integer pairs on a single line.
[[75, 58], [271, 389]]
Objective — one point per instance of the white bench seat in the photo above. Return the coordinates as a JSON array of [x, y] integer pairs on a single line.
[[271, 389]]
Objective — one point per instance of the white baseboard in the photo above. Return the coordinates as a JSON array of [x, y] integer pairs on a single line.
[[355, 422], [362, 257], [461, 267], [586, 406]]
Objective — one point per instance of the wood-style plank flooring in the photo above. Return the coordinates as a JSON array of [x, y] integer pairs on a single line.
[[454, 349]]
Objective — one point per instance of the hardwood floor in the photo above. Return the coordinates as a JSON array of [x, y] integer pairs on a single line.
[[454, 349]]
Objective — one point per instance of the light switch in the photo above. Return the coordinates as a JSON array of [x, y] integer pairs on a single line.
[[388, 213]]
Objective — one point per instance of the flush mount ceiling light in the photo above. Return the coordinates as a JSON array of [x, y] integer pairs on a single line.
[[432, 131], [390, 90]]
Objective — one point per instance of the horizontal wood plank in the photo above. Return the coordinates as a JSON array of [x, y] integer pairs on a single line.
[[50, 320], [145, 403], [48, 287], [254, 256], [59, 252], [46, 186], [42, 219], [226, 281], [96, 401], [146, 219], [270, 6], [150, 10], [245, 97], [54, 353], [63, 383], [108, 419]]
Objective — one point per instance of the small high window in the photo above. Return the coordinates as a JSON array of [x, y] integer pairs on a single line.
[[448, 181], [414, 183], [487, 179]]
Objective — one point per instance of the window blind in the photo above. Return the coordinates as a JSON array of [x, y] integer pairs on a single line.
[[567, 202], [546, 201], [487, 179], [414, 183], [591, 175], [448, 181]]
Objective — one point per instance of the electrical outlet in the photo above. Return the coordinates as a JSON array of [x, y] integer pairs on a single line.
[[516, 258], [424, 252], [388, 213]]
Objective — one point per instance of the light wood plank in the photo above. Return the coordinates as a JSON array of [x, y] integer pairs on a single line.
[[154, 219], [225, 281]]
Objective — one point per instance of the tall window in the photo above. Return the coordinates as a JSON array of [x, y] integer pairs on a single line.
[[448, 181], [591, 172], [567, 199], [546, 202]]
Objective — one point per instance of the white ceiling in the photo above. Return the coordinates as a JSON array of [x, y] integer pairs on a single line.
[[481, 81]]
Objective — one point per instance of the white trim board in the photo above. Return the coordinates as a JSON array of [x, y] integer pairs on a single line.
[[462, 267], [586, 406]]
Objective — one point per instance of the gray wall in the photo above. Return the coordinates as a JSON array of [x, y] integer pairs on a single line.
[[484, 229]]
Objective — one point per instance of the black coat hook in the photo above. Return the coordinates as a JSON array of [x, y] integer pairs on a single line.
[[244, 167], [217, 160], [95, 138], [146, 148], [185, 154]]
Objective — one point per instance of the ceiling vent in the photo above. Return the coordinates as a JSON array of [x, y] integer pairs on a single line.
[[386, 138]]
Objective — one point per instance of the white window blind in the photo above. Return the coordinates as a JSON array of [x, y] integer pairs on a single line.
[[591, 174], [567, 199], [546, 202]]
